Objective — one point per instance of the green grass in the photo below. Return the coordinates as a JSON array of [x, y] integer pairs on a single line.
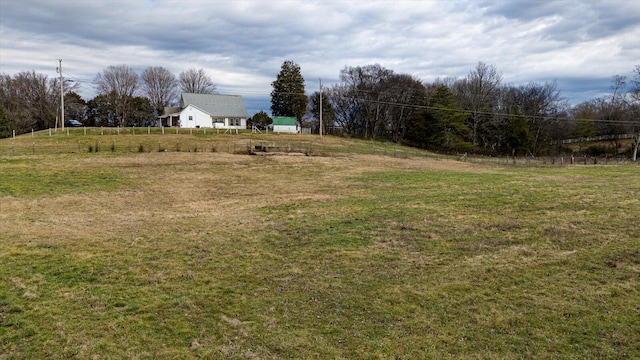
[[105, 141], [482, 265], [35, 177], [209, 255]]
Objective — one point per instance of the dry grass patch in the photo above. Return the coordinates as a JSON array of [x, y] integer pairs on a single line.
[[212, 255]]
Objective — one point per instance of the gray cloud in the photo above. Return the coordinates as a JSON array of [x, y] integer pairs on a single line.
[[243, 43]]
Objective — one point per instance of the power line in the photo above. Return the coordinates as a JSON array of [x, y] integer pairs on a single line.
[[469, 112], [93, 84]]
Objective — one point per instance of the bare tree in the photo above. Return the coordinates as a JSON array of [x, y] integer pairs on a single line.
[[197, 82], [160, 86], [617, 111], [314, 109], [120, 79], [365, 85], [540, 104], [374, 102], [31, 100], [478, 93], [120, 83], [635, 85], [401, 92], [615, 114], [342, 99], [634, 100]]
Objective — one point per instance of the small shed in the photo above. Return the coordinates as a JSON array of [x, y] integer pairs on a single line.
[[285, 124]]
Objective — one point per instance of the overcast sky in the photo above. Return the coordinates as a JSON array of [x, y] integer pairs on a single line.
[[242, 44]]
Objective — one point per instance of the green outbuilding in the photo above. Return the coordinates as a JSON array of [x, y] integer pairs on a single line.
[[285, 124]]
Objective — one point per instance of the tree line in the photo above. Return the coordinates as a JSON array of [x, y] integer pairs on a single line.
[[476, 113], [29, 100]]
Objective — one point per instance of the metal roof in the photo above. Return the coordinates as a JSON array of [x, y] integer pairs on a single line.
[[284, 120], [216, 105]]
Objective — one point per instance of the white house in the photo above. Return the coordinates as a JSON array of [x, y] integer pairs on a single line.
[[207, 111]]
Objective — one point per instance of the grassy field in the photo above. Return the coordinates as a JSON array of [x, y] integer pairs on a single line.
[[139, 140], [185, 255]]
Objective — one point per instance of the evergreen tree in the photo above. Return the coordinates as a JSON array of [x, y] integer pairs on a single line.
[[440, 126], [260, 118], [5, 124], [100, 112], [74, 106], [449, 125], [142, 112], [418, 129], [585, 128], [518, 139], [288, 97]]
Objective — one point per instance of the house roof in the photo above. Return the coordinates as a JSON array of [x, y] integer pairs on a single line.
[[168, 110], [284, 120], [216, 105]]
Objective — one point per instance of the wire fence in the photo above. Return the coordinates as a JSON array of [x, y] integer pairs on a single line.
[[154, 144], [150, 139], [110, 140], [149, 130], [560, 160]]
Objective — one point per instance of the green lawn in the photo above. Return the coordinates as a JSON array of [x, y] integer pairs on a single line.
[[213, 255]]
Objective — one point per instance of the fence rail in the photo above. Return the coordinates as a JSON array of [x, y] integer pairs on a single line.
[[599, 138], [549, 160], [149, 130], [96, 140]]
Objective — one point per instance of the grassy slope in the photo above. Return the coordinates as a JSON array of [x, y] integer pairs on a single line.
[[187, 255]]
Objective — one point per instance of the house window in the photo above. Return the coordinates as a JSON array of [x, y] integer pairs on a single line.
[[190, 118]]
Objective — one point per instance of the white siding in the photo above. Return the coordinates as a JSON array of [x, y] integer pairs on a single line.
[[285, 128], [230, 123], [192, 117]]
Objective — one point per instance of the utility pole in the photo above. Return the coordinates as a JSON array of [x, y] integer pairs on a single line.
[[320, 108], [61, 97]]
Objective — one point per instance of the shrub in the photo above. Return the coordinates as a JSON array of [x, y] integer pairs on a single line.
[[596, 150]]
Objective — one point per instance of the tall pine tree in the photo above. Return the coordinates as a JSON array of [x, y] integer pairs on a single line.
[[288, 97], [5, 124], [517, 137]]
